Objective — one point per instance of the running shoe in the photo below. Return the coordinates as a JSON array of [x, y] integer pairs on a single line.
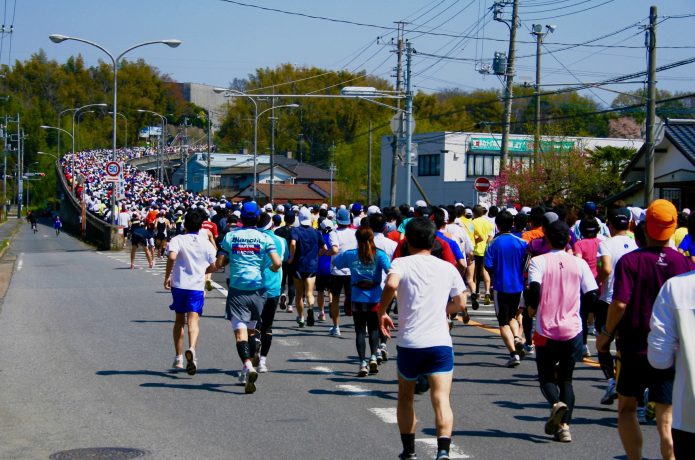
[[513, 361], [610, 395], [290, 309], [586, 353], [563, 435], [474, 301], [334, 331], [373, 365], [641, 415], [465, 316], [422, 384], [383, 351], [410, 456], [442, 455], [242, 376], [451, 324], [322, 317], [591, 330], [251, 377], [310, 317], [283, 301], [262, 367], [300, 323], [519, 347], [208, 285], [191, 362], [363, 372], [178, 363], [487, 299], [555, 420], [530, 349]]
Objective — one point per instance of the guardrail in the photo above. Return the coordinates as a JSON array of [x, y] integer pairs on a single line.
[[101, 234]]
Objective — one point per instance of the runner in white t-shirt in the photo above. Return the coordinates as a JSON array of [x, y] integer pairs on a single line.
[[609, 253], [428, 289]]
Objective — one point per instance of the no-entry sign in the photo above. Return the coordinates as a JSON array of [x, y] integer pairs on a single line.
[[482, 184]]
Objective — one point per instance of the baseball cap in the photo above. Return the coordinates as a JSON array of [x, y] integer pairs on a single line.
[[420, 204], [468, 212], [277, 219], [304, 216], [686, 211], [526, 210], [356, 208], [343, 217], [249, 209], [662, 218], [549, 218], [268, 207], [280, 208], [373, 210], [331, 214], [557, 231], [619, 217], [589, 206]]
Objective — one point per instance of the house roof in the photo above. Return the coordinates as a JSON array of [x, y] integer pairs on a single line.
[[296, 193], [680, 133], [303, 171], [243, 170]]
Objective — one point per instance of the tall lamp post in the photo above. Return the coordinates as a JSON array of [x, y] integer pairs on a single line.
[[57, 38], [232, 93], [160, 154], [272, 150], [77, 135], [537, 30], [72, 164], [125, 141]]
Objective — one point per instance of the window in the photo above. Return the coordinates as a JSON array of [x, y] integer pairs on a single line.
[[673, 195], [489, 164], [428, 165]]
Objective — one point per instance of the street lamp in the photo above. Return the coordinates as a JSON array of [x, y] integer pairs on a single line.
[[75, 112], [57, 38], [537, 30], [49, 154], [160, 154], [272, 147], [125, 142], [72, 164], [232, 93]]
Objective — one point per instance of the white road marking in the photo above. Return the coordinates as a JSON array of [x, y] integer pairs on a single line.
[[454, 451], [385, 414], [354, 390], [322, 369], [220, 288], [288, 342], [20, 262]]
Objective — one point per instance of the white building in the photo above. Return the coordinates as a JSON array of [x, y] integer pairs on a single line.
[[447, 163]]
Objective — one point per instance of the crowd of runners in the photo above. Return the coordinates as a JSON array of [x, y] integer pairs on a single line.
[[554, 275]]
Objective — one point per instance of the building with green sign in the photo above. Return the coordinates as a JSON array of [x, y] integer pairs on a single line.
[[445, 164]]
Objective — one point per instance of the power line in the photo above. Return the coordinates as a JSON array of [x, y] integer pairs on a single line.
[[572, 13]]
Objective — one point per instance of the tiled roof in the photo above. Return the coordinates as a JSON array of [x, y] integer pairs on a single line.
[[682, 134], [297, 193]]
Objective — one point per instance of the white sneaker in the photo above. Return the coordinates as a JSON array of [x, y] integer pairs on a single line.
[[191, 361], [586, 353], [334, 331], [611, 394], [251, 377], [178, 362], [513, 361], [262, 367], [242, 376]]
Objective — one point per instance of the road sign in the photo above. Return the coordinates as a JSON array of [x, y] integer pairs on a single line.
[[113, 169], [482, 184]]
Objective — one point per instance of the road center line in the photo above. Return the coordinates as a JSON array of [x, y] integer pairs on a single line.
[[385, 414]]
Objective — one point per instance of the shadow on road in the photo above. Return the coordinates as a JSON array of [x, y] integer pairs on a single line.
[[536, 439]]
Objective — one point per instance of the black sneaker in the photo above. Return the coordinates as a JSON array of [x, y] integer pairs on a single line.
[[410, 456], [421, 384], [310, 317], [283, 302], [474, 302], [519, 347]]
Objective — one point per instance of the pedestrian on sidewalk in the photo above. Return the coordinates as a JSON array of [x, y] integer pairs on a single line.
[[190, 256], [57, 225], [427, 289]]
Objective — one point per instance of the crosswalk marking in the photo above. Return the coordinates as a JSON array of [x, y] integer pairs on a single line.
[[431, 443], [355, 390], [385, 414]]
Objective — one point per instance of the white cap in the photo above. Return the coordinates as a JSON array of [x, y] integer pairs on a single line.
[[304, 216], [686, 211], [324, 206], [526, 210], [295, 208], [280, 208], [331, 214], [446, 215], [268, 207], [637, 214], [327, 223], [373, 210], [420, 203], [512, 210], [237, 213], [458, 204], [342, 206]]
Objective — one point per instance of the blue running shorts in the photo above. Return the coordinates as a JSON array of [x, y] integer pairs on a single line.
[[187, 300], [412, 362]]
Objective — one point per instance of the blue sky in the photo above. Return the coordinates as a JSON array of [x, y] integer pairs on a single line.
[[223, 40]]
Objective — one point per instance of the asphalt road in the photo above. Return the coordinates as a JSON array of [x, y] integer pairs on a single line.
[[84, 364]]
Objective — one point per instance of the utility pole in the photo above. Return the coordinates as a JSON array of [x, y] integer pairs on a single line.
[[332, 169], [4, 170], [369, 167], [209, 142], [272, 152], [184, 153], [408, 120], [651, 110], [20, 170], [507, 114], [537, 30], [396, 139]]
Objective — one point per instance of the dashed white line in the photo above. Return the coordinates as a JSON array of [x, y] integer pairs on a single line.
[[20, 262], [288, 342], [322, 369], [454, 451], [355, 391], [385, 414]]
